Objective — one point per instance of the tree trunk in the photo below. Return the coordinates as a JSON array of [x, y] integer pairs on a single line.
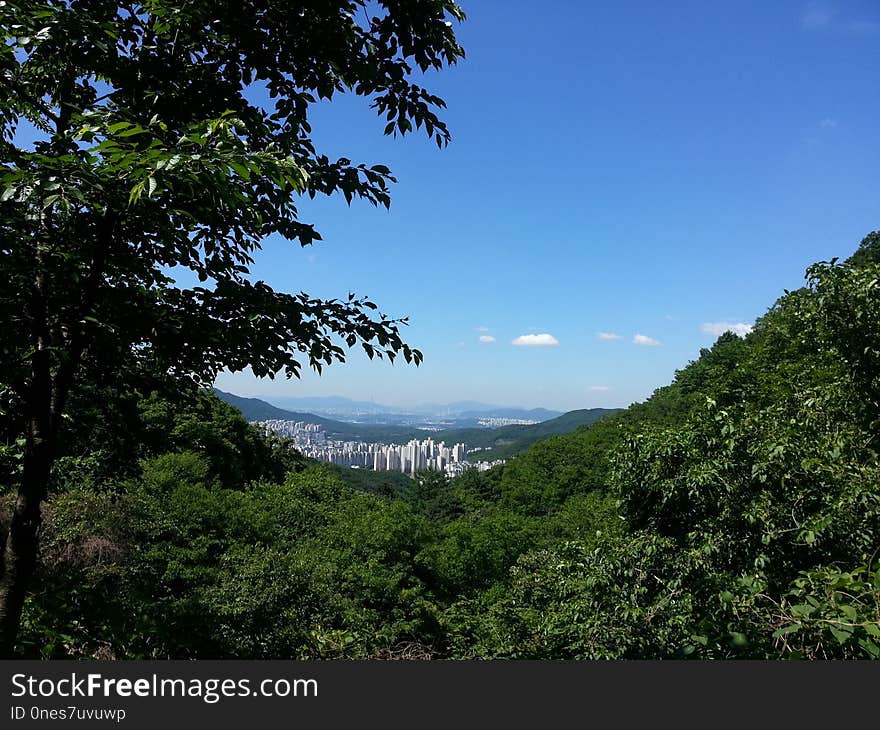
[[45, 400], [20, 550], [19, 557]]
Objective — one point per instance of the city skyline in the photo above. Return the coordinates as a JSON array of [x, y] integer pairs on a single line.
[[411, 458]]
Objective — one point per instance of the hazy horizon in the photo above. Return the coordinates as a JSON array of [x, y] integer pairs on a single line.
[[278, 398]]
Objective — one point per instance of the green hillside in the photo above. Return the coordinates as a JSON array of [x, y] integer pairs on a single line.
[[503, 442], [254, 409]]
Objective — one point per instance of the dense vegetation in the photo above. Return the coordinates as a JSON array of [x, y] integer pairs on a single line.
[[735, 513]]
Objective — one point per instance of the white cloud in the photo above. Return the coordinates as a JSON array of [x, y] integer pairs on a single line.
[[719, 328], [863, 27], [487, 339], [481, 329], [816, 17], [607, 336], [599, 388], [828, 123], [542, 340], [645, 341]]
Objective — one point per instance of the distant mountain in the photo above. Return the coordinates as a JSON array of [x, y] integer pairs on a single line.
[[523, 414], [499, 443], [474, 409], [454, 408], [335, 405], [254, 409]]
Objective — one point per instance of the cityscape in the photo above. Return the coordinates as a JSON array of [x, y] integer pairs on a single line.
[[311, 440], [491, 422]]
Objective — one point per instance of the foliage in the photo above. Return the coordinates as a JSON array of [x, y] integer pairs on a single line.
[[734, 514], [191, 569], [171, 139], [152, 155], [578, 601], [868, 251]]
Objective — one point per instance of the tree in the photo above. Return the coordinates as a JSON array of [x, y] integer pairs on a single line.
[[868, 251], [151, 156]]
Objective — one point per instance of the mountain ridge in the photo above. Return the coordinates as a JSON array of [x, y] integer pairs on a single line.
[[340, 405]]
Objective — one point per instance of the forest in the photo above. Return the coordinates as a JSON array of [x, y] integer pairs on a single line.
[[734, 514], [149, 150]]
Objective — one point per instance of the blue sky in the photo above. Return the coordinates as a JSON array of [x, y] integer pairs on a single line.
[[621, 168], [640, 169]]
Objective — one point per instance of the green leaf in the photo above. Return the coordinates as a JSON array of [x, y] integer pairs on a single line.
[[132, 132], [790, 629], [241, 170]]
